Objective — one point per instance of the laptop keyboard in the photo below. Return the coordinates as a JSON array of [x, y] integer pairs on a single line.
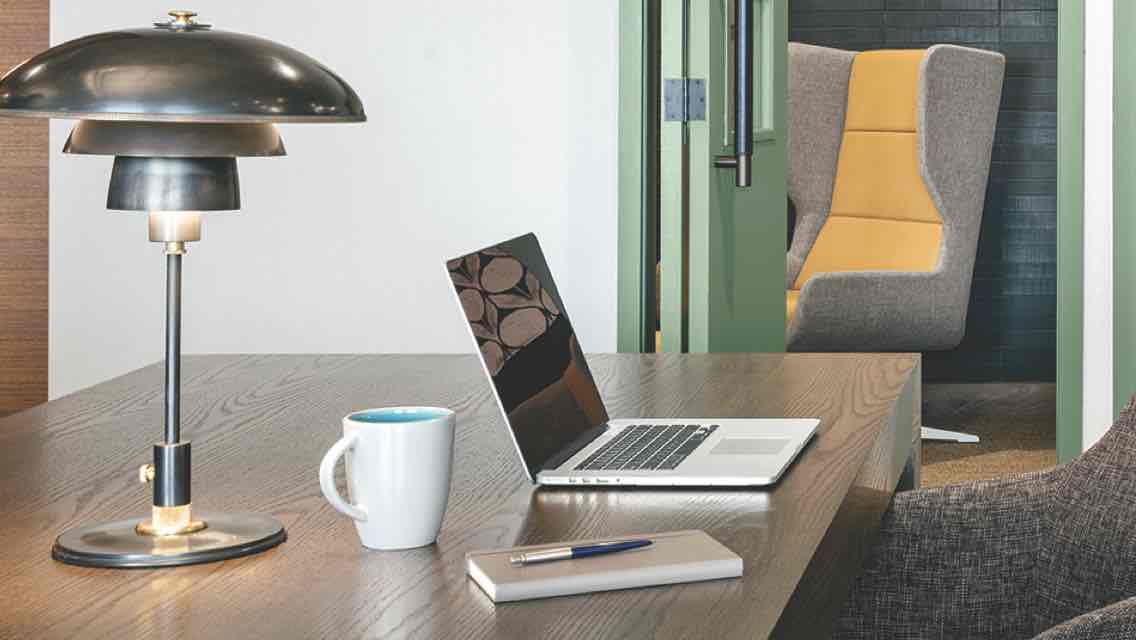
[[647, 447]]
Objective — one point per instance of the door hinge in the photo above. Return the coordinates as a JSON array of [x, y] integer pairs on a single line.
[[684, 99]]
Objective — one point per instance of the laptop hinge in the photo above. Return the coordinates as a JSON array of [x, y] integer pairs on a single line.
[[574, 447]]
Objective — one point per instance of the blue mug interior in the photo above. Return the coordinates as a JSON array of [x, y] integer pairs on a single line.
[[396, 416]]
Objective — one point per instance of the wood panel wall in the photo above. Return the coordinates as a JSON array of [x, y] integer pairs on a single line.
[[1011, 327], [23, 222]]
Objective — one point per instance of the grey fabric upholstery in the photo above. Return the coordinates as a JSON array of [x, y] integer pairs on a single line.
[[818, 96], [959, 92], [1114, 622], [1050, 553]]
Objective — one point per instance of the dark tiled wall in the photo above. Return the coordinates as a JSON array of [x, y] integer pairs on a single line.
[[1011, 326]]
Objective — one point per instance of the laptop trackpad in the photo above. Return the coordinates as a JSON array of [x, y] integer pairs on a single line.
[[749, 446]]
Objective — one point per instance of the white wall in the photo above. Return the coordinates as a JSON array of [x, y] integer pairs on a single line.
[[487, 119], [1097, 375]]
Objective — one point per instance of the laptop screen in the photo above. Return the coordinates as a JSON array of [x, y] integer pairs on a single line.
[[526, 341]]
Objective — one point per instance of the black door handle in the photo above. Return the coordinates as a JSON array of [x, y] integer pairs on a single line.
[[743, 96]]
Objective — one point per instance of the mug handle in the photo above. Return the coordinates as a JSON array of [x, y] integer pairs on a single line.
[[327, 479]]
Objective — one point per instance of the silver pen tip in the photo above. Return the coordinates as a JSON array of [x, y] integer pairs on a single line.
[[517, 559]]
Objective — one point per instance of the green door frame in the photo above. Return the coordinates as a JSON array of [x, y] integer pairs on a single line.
[[1123, 201], [639, 48], [1070, 225]]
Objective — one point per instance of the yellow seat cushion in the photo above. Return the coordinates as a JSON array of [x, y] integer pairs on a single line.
[[877, 176], [882, 217], [790, 304], [883, 88], [867, 244]]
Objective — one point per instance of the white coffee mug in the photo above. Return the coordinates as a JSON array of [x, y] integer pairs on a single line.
[[398, 474]]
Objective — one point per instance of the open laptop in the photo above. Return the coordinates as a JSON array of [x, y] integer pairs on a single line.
[[554, 411]]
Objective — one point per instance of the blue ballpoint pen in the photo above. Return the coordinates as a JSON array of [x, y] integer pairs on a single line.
[[569, 553]]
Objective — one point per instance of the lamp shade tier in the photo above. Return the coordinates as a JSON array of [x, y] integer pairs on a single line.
[[174, 139], [167, 74], [174, 184]]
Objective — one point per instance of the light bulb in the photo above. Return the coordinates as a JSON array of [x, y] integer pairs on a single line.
[[175, 226]]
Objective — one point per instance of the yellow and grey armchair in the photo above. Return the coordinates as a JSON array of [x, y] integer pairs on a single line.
[[889, 153]]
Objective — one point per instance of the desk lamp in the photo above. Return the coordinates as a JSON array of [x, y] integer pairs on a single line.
[[175, 105]]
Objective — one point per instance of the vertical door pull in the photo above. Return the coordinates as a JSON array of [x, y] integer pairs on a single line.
[[743, 96]]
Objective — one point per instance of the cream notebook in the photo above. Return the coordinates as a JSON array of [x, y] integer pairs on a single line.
[[676, 556]]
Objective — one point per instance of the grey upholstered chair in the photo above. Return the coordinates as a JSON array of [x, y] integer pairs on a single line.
[[1050, 555], [889, 153]]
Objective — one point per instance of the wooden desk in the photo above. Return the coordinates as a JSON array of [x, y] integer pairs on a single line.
[[260, 424]]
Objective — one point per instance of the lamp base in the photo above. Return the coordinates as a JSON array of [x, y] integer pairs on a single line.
[[120, 545]]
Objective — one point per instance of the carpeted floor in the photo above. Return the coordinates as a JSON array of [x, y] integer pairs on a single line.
[[1015, 421]]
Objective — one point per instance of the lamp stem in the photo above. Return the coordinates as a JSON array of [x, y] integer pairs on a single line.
[[171, 472], [173, 345]]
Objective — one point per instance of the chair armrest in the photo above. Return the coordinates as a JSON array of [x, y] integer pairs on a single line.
[[1117, 621], [955, 561], [878, 311]]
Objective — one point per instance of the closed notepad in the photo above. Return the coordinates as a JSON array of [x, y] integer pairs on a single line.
[[677, 556]]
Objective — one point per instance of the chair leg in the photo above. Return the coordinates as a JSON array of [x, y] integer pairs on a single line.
[[927, 433]]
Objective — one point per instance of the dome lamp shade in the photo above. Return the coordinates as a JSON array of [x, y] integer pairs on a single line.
[[177, 71]]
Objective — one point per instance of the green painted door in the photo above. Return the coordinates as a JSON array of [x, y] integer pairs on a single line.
[[721, 248], [737, 234]]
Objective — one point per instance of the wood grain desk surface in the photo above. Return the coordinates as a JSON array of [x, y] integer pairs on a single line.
[[260, 425]]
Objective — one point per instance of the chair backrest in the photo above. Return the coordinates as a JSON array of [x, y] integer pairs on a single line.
[[889, 153], [1089, 541]]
